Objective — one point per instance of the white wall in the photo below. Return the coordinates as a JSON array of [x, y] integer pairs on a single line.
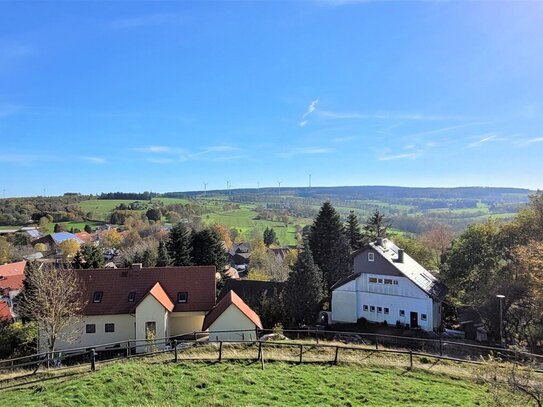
[[231, 320], [183, 322], [403, 296], [150, 310], [124, 330]]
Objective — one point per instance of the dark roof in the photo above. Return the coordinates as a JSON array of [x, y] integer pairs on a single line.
[[251, 291], [116, 284], [231, 298]]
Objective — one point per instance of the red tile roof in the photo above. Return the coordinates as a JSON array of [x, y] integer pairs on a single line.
[[5, 312], [85, 236], [160, 295], [231, 299], [116, 284], [13, 268]]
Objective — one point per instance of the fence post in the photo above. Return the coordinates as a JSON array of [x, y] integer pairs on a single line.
[[317, 336], [410, 360], [336, 359], [93, 359], [175, 350], [376, 342], [194, 333], [259, 350], [301, 352], [220, 351], [440, 347], [128, 349]]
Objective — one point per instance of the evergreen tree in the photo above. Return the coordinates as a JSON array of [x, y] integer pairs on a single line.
[[149, 257], [163, 259], [153, 214], [377, 225], [330, 248], [88, 229], [89, 257], [269, 236], [179, 245], [353, 234], [208, 250], [304, 289]]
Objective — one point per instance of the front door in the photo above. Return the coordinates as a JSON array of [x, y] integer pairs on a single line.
[[414, 322]]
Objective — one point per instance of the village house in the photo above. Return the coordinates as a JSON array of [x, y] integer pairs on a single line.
[[53, 240], [143, 303], [11, 279], [232, 320], [388, 285]]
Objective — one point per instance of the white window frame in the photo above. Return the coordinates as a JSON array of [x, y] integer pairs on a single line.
[[379, 310], [386, 310], [423, 317], [402, 313], [365, 307], [371, 256], [372, 308]]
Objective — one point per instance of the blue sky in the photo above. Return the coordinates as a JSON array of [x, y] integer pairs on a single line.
[[164, 96]]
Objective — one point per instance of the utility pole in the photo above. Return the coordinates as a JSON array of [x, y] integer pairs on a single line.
[[502, 336]]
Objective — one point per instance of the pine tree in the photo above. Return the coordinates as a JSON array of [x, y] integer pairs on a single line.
[[377, 225], [304, 289], [89, 257], [208, 250], [163, 259], [353, 234], [179, 246], [149, 257], [88, 229], [269, 236], [330, 248]]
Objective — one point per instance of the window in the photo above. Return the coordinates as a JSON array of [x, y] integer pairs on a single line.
[[380, 281], [110, 327], [182, 297], [365, 307], [372, 308], [97, 297], [373, 280], [423, 317], [386, 310], [371, 256], [388, 281], [131, 296], [402, 313], [90, 328], [395, 282], [379, 309]]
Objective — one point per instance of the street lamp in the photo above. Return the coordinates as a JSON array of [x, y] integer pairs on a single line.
[[501, 297]]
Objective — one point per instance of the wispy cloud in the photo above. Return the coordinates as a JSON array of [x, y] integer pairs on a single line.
[[154, 149], [166, 154], [306, 151], [532, 141], [150, 20], [17, 158], [326, 114], [447, 128], [481, 141], [94, 160], [310, 109], [401, 156], [346, 139]]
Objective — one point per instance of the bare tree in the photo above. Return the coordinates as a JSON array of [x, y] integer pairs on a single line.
[[511, 383], [52, 298], [438, 239]]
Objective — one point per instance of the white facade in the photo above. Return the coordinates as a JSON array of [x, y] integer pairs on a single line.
[[240, 327], [378, 302]]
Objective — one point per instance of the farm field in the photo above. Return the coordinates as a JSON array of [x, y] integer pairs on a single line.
[[145, 382]]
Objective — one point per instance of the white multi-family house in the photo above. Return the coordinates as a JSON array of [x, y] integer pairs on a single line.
[[388, 285]]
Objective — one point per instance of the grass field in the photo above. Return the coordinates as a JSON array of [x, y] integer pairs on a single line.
[[149, 383]]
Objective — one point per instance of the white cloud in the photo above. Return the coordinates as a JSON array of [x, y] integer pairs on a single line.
[[145, 21], [533, 140], [302, 123], [155, 149], [306, 151], [310, 109], [401, 156], [94, 160], [482, 141]]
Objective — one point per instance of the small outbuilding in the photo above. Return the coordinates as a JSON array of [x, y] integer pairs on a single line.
[[232, 320]]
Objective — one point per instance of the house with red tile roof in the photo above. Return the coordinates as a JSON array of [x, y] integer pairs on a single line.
[[138, 303], [5, 312], [12, 278], [232, 320]]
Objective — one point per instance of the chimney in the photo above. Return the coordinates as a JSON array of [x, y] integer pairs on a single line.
[[400, 256], [380, 241], [136, 266]]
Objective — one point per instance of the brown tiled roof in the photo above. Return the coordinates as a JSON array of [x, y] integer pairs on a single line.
[[5, 312], [116, 284], [231, 299], [160, 295]]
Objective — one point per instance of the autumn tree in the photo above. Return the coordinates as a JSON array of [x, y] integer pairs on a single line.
[[179, 245], [377, 225], [5, 250], [52, 297], [225, 235], [304, 289], [438, 239], [69, 248], [59, 227], [329, 246], [111, 239]]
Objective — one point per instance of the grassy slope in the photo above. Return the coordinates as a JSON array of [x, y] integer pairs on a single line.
[[229, 384]]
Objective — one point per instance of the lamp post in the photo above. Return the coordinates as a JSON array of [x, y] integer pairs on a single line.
[[501, 297]]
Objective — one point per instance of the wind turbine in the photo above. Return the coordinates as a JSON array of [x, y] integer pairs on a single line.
[[205, 189], [279, 185]]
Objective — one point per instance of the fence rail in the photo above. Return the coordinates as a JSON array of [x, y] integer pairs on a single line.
[[358, 342]]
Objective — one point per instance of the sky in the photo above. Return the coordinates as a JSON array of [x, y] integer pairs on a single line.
[[167, 96]]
